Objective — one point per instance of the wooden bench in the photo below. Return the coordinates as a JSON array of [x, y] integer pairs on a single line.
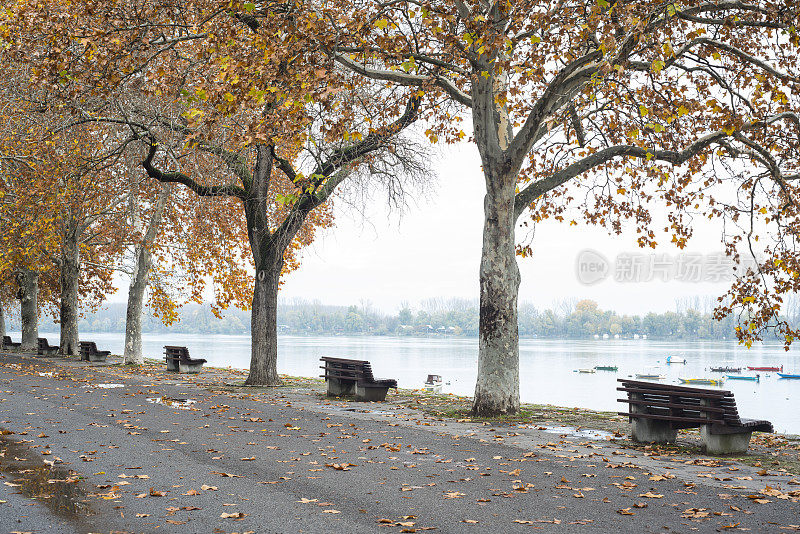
[[179, 361], [44, 348], [657, 411], [354, 377], [10, 345], [90, 353]]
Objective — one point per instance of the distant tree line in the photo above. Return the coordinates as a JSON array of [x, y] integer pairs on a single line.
[[567, 319]]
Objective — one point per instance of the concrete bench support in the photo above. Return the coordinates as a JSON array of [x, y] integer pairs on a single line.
[[339, 388], [650, 431], [644, 430], [718, 444], [191, 368], [371, 393]]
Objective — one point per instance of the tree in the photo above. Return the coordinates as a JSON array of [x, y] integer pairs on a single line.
[[599, 111], [60, 205], [256, 89]]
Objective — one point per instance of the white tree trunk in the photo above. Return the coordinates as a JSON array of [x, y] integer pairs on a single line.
[[138, 286], [497, 387]]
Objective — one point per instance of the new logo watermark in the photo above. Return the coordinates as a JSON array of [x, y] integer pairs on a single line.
[[591, 267]]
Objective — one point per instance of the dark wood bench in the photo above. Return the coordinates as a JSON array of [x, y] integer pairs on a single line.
[[45, 349], [10, 345], [657, 411], [354, 377], [179, 361], [90, 353]]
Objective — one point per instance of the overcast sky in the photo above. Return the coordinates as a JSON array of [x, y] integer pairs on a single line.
[[433, 250]]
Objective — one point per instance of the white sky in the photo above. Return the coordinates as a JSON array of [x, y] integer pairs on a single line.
[[433, 250]]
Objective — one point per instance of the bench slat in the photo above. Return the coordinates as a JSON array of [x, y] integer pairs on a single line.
[[697, 407]]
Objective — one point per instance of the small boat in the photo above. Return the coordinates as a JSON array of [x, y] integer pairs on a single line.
[[703, 381], [725, 369], [434, 383], [584, 371], [605, 368], [672, 359], [751, 378], [788, 375], [649, 376], [765, 368]]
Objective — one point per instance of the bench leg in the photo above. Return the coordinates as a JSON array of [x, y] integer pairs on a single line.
[[339, 388], [172, 366], [371, 393], [651, 431], [718, 444], [189, 368], [97, 358]]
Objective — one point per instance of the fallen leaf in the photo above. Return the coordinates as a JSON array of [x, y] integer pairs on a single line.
[[234, 515], [651, 495]]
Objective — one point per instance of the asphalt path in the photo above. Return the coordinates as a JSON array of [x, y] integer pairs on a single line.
[[168, 453]]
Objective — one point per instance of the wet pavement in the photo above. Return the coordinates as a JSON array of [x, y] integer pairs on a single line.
[[173, 453]]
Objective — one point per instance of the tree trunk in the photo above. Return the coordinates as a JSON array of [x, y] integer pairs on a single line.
[[264, 327], [69, 277], [141, 276], [2, 321], [133, 318], [497, 387], [29, 308]]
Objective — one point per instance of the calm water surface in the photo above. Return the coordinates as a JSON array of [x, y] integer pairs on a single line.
[[547, 367]]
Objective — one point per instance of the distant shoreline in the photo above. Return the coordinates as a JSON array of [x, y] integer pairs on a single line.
[[49, 333]]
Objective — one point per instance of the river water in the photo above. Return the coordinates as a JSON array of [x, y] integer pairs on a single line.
[[547, 367]]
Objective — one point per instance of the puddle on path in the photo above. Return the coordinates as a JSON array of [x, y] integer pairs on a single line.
[[359, 410], [182, 404], [586, 433], [57, 488]]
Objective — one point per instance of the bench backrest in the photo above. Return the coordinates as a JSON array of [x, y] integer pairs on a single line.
[[7, 340], [683, 406], [347, 369], [43, 344], [88, 346], [176, 352]]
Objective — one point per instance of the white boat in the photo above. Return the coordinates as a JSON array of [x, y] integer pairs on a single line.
[[434, 383], [650, 376], [584, 371]]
